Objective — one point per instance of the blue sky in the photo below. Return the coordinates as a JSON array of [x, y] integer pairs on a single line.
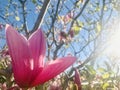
[[32, 16]]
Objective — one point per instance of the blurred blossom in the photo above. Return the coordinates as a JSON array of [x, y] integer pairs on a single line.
[[27, 57], [67, 18], [98, 77], [56, 85], [3, 86], [62, 36], [38, 8], [69, 54], [71, 14], [4, 52], [72, 33]]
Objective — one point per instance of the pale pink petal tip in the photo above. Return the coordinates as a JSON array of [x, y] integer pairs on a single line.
[[7, 25]]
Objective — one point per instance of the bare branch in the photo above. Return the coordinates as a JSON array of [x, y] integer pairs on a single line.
[[74, 19], [41, 16], [24, 17]]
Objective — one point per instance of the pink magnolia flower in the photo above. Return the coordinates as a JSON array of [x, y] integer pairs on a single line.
[[27, 57]]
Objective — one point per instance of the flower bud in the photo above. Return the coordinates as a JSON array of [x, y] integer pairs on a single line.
[[77, 79]]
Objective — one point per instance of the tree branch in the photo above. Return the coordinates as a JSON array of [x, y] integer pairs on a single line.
[[74, 19], [41, 15], [24, 17]]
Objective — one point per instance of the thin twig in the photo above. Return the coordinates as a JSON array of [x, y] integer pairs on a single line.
[[78, 15], [24, 17]]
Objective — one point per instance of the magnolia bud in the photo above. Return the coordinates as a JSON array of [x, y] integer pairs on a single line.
[[77, 79], [63, 36], [72, 33]]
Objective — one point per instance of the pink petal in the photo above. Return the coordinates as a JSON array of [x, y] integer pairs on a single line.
[[53, 69], [20, 55], [37, 44]]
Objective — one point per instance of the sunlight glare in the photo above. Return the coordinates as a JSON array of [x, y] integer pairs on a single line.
[[113, 43]]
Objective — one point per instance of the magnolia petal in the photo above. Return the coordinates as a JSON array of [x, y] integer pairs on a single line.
[[37, 44], [53, 69], [20, 55]]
